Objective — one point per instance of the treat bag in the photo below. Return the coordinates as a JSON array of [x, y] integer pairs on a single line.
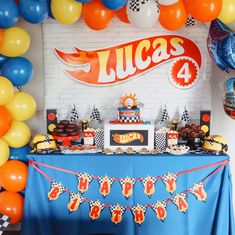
[[89, 136], [172, 138], [160, 140], [99, 138]]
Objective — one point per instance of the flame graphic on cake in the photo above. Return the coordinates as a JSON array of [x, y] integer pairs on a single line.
[[129, 101]]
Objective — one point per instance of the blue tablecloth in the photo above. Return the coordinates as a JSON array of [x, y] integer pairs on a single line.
[[213, 217]]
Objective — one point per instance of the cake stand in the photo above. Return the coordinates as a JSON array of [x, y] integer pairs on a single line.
[[66, 140]]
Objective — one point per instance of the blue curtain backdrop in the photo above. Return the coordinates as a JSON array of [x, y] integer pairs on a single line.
[[213, 217]]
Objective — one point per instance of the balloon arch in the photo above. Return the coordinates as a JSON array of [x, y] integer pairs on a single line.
[[16, 71]]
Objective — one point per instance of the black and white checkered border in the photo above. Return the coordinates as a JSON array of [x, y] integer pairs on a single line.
[[129, 119]]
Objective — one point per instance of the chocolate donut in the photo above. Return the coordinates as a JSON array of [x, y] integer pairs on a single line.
[[58, 130], [70, 129], [60, 126], [73, 133], [62, 134], [71, 125], [64, 122]]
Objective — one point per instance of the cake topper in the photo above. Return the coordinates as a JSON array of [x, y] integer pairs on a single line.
[[129, 101]]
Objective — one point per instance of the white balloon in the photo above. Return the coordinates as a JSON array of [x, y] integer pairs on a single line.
[[167, 2], [142, 13]]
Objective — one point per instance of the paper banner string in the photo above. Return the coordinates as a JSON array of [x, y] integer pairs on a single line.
[[127, 183], [138, 211], [56, 190]]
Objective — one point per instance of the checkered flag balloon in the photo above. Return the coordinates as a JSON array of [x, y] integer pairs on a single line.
[[165, 115], [135, 4], [4, 222], [95, 114], [185, 116], [190, 22], [74, 114]]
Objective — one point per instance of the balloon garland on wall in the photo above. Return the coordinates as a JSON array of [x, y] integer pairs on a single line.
[[16, 71]]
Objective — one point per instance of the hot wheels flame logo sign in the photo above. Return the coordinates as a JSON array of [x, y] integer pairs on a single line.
[[128, 138], [117, 64]]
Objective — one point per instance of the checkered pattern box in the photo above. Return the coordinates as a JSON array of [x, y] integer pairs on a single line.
[[160, 140], [99, 138]]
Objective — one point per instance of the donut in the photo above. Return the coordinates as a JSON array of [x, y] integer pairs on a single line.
[[58, 130], [73, 133], [62, 134], [71, 125], [64, 122], [70, 129], [60, 126]]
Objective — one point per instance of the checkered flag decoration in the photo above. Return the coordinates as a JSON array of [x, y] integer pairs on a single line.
[[165, 115], [185, 116], [99, 138], [4, 222], [180, 201], [117, 212], [135, 4], [95, 114], [190, 22], [74, 114]]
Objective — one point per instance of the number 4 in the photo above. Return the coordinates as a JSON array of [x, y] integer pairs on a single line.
[[184, 73]]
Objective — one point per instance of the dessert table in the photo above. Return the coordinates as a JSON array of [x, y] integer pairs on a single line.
[[214, 216]]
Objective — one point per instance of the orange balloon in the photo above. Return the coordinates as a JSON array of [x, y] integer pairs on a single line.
[[122, 15], [1, 36], [5, 120], [204, 10], [12, 204], [13, 176], [174, 16], [96, 15]]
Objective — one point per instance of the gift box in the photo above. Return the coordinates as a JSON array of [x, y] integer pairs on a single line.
[[99, 138], [89, 136], [172, 138]]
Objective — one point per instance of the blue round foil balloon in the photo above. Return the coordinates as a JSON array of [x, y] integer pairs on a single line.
[[34, 11], [229, 97], [114, 4], [9, 13], [19, 153], [18, 70], [226, 50], [3, 59]]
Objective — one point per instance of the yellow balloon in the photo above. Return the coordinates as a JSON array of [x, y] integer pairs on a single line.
[[22, 107], [227, 14], [66, 11], [4, 152], [15, 42], [6, 91], [18, 135]]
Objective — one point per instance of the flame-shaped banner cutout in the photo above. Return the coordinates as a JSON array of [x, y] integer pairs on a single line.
[[120, 63]]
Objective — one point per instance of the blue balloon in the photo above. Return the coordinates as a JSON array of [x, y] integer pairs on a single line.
[[19, 153], [114, 4], [221, 45], [18, 70], [9, 13], [3, 58], [34, 11], [226, 50]]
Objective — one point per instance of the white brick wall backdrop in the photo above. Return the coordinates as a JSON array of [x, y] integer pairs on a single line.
[[153, 88]]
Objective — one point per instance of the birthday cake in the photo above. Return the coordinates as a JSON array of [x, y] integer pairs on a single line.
[[129, 112]]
